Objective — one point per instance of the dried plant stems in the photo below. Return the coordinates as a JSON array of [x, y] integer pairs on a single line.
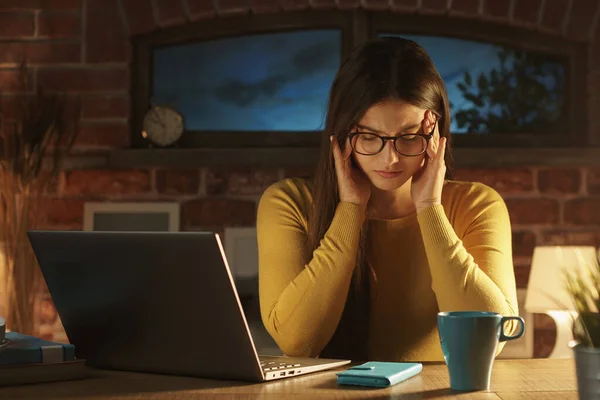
[[32, 147]]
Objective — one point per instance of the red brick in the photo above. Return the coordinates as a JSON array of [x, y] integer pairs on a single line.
[[107, 182], [544, 335], [554, 15], [522, 275], [523, 243], [200, 9], [105, 37], [543, 322], [59, 25], [376, 4], [62, 5], [11, 80], [12, 106], [213, 212], [110, 135], [8, 108], [596, 49], [16, 25], [169, 181], [496, 8], [266, 6], [239, 182], [293, 5], [170, 12], [405, 5], [139, 16], [581, 19], [533, 211], [583, 211], [233, 6], [503, 180], [465, 6], [434, 5], [105, 106], [593, 181], [84, 79], [349, 4], [299, 173], [571, 238], [527, 11], [47, 52], [559, 181], [324, 4], [61, 213]]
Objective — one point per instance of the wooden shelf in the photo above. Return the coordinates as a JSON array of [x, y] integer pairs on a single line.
[[297, 157], [308, 157]]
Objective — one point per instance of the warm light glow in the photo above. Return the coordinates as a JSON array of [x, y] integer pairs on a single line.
[[547, 291], [547, 287]]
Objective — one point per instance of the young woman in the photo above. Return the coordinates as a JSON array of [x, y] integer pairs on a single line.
[[357, 262]]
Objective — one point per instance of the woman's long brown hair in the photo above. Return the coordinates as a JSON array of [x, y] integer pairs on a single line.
[[381, 69]]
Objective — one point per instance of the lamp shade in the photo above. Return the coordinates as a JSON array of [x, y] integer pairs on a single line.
[[547, 287]]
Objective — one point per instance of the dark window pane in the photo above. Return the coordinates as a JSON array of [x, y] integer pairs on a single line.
[[495, 89], [267, 82]]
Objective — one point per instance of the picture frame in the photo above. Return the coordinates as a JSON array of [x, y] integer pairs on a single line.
[[131, 216]]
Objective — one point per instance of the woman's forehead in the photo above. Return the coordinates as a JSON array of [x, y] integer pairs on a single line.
[[392, 116]]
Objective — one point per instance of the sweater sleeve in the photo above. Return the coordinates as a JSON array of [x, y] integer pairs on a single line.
[[474, 271], [302, 295]]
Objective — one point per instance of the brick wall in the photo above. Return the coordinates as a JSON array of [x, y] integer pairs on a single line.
[[82, 48]]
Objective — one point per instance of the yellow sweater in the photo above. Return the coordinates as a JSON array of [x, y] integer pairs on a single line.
[[455, 256]]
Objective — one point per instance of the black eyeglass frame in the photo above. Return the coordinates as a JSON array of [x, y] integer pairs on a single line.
[[385, 139]]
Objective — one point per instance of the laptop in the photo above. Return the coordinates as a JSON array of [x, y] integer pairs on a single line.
[[160, 302]]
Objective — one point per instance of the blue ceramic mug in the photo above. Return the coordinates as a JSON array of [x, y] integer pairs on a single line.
[[469, 342]]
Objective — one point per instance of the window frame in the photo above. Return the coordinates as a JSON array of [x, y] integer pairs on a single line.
[[575, 54], [357, 26], [219, 28]]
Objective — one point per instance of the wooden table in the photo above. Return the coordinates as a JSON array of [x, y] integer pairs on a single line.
[[511, 379]]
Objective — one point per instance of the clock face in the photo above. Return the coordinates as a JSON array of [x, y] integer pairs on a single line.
[[163, 125]]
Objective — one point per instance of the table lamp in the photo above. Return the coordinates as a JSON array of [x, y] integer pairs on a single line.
[[547, 291]]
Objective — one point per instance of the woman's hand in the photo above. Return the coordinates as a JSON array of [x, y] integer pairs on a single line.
[[353, 185], [427, 183]]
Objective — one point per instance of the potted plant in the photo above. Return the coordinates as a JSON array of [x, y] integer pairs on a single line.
[[584, 289], [34, 139]]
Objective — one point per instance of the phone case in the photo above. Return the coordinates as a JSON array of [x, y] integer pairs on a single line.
[[379, 373]]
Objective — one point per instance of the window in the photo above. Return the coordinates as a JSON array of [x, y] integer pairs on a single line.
[[269, 84], [265, 82], [496, 89]]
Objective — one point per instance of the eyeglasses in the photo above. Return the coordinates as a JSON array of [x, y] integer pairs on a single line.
[[409, 145]]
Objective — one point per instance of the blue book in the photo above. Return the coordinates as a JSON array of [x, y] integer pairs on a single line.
[[379, 373], [19, 349]]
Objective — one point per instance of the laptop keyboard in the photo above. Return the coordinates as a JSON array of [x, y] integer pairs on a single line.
[[274, 365]]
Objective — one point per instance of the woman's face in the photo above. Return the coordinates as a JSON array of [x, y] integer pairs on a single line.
[[388, 169]]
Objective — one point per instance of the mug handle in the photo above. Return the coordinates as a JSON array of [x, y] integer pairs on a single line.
[[504, 337]]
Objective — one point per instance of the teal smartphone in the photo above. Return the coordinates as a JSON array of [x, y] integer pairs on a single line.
[[379, 373]]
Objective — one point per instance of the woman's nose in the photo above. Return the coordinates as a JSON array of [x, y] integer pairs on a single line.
[[390, 154]]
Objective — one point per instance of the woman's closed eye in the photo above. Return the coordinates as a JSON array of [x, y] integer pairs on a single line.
[[409, 137], [365, 136]]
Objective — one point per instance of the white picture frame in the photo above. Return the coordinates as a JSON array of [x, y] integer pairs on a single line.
[[522, 347], [92, 209], [241, 249]]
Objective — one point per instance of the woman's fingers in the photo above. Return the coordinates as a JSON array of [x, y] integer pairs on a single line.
[[347, 150], [442, 149], [339, 158]]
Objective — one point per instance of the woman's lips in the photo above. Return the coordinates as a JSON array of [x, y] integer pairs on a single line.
[[389, 174]]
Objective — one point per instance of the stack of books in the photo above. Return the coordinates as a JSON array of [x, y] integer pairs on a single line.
[[28, 359]]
